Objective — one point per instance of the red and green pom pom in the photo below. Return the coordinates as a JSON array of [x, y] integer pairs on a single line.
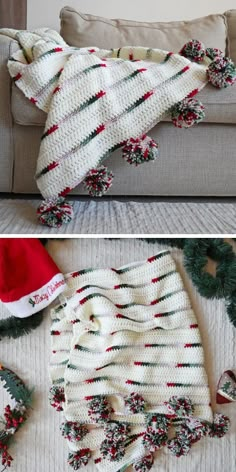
[[212, 53], [99, 410], [135, 403], [194, 50], [154, 439], [221, 72], [73, 431], [112, 450], [188, 433], [145, 464], [180, 406], [187, 113], [220, 426], [98, 181], [158, 421], [79, 458], [116, 431], [139, 150], [55, 212], [193, 429], [57, 397], [156, 434], [179, 446]]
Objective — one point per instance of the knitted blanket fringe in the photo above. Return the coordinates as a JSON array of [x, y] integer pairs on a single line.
[[100, 100]]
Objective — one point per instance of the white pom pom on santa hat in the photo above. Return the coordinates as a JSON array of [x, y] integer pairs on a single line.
[[29, 278]]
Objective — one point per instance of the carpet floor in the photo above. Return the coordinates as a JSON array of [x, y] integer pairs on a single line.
[[18, 216]]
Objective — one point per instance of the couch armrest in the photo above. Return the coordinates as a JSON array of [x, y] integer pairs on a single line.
[[7, 47], [231, 22]]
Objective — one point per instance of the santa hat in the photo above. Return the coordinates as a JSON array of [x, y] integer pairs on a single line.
[[29, 278]]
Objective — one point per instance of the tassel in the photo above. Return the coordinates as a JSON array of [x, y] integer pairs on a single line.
[[55, 212], [194, 50], [139, 150], [98, 181], [187, 113], [221, 72]]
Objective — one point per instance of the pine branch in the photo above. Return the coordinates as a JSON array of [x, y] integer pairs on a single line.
[[173, 242], [15, 387], [13, 327]]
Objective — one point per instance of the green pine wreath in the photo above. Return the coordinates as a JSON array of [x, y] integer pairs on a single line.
[[196, 255], [14, 416]]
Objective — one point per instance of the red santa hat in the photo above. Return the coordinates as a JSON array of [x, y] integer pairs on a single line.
[[29, 278]]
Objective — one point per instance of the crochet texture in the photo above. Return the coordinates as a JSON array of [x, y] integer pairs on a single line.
[[127, 362], [95, 99]]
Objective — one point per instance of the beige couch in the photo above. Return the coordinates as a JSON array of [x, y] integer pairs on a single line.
[[197, 162]]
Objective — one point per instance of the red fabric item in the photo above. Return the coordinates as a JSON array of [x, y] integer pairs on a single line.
[[25, 268]]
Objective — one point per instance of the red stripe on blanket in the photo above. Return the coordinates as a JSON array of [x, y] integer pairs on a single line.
[[17, 77], [65, 192], [50, 131], [185, 69], [148, 94], [193, 93], [154, 302], [57, 89], [100, 129]]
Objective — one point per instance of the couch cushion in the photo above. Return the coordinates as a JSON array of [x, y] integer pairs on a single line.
[[231, 21], [83, 30], [220, 106]]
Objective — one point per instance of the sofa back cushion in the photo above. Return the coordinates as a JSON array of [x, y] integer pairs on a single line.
[[84, 30], [231, 21]]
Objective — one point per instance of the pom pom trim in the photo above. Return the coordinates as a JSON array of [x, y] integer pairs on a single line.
[[187, 113]]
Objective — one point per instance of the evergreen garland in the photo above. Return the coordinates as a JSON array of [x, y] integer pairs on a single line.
[[13, 327], [231, 308], [173, 242], [15, 386], [196, 254]]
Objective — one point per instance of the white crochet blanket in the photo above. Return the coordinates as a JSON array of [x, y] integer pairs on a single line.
[[120, 335], [95, 99]]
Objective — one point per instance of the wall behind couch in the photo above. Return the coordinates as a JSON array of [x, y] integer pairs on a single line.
[[46, 12]]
